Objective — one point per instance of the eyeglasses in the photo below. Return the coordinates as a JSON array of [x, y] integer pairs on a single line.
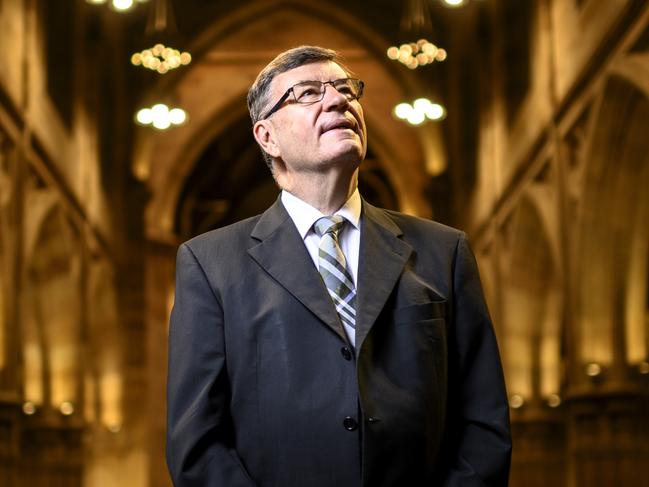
[[314, 91]]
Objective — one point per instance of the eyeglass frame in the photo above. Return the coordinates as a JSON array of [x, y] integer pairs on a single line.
[[288, 92]]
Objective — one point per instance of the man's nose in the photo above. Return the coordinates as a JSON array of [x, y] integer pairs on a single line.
[[333, 98]]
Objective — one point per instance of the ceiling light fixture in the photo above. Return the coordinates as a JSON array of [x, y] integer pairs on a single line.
[[454, 3], [161, 58], [161, 116], [417, 54], [118, 5], [421, 110], [417, 23]]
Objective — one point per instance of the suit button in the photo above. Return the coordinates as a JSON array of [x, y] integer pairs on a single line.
[[347, 353], [350, 423]]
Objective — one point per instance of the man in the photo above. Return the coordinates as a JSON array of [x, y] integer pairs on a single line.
[[353, 350]]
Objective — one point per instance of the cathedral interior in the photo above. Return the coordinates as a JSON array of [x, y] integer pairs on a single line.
[[534, 139]]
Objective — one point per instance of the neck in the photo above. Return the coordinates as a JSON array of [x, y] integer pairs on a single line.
[[325, 193]]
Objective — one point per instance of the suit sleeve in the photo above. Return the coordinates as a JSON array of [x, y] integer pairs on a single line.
[[477, 442], [200, 442]]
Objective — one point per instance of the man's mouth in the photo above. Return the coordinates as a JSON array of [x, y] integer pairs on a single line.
[[340, 125]]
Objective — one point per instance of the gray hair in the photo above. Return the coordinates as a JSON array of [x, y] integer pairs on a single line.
[[285, 61]]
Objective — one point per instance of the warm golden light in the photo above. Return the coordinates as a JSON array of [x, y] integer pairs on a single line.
[[110, 387], [161, 58], [66, 408], [554, 400], [416, 118], [29, 408], [117, 5], [33, 365], [454, 3], [177, 116], [422, 109], [643, 368], [161, 116], [402, 110], [593, 370], [122, 4], [416, 54], [516, 401]]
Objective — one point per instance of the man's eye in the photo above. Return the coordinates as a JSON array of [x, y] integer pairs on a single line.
[[345, 89], [308, 92]]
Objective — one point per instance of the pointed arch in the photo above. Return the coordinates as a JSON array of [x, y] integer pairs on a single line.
[[531, 306], [613, 241]]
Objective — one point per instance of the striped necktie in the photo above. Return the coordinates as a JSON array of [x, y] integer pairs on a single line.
[[333, 268]]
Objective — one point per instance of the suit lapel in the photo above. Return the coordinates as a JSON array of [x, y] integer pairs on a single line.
[[382, 258], [282, 254]]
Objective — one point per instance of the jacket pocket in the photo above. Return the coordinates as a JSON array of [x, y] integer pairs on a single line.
[[419, 312]]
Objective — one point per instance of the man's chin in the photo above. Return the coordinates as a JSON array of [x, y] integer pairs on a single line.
[[349, 148], [350, 155]]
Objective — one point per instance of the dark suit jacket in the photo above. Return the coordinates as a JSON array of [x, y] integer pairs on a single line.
[[262, 389]]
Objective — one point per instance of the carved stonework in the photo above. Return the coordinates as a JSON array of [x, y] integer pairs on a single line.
[[539, 456], [8, 442], [51, 453], [609, 440]]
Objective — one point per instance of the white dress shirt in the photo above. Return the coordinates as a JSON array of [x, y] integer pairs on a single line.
[[304, 216]]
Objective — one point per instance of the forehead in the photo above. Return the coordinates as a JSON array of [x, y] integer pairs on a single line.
[[320, 71]]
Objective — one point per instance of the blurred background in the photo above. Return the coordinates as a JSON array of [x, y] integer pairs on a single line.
[[124, 131]]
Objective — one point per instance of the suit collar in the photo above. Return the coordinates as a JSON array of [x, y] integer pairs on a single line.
[[382, 257], [281, 253], [270, 220]]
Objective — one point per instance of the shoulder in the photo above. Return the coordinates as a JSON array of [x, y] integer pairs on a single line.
[[224, 240], [414, 228], [410, 222]]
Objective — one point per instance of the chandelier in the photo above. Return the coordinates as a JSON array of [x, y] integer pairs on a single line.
[[161, 58], [415, 54], [419, 111], [417, 22]]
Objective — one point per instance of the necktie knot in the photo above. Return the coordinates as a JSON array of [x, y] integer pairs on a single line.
[[329, 224]]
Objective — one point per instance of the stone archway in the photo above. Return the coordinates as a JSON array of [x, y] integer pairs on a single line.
[[531, 308], [52, 334], [51, 344], [613, 237], [531, 345], [606, 382]]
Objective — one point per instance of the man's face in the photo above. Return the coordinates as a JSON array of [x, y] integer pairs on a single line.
[[314, 137]]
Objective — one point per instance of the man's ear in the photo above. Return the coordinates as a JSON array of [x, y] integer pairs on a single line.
[[264, 134]]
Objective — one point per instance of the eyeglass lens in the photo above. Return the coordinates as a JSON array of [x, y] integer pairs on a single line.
[[312, 91]]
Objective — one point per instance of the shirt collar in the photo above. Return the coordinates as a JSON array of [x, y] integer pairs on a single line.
[[304, 215]]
